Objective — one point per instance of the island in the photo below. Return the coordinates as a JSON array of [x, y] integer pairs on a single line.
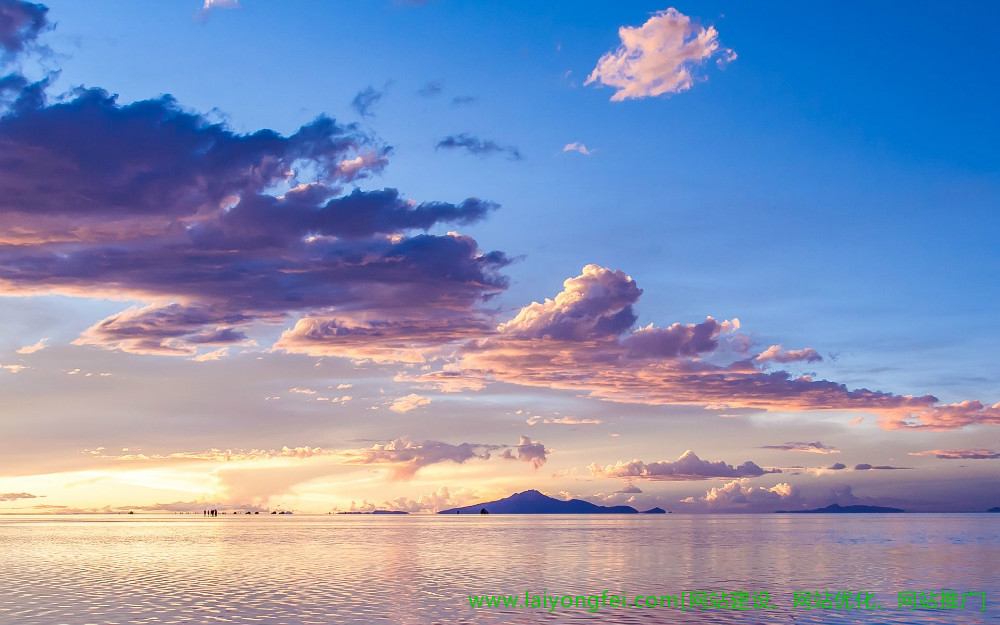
[[534, 502], [375, 512], [838, 509], [994, 509]]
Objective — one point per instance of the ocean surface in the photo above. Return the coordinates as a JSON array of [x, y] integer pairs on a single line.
[[165, 569]]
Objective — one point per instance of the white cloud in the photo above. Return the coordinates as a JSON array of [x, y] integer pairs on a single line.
[[217, 354], [739, 494], [658, 57], [37, 347], [220, 4], [577, 147], [408, 403]]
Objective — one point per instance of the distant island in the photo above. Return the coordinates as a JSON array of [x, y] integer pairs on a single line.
[[375, 512], [995, 509], [838, 509], [534, 502]]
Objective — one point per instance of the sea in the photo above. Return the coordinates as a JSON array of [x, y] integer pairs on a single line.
[[399, 569]]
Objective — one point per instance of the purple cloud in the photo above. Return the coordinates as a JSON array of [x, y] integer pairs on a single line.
[[477, 146], [688, 467]]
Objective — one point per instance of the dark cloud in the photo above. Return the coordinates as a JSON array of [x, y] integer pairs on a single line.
[[431, 89], [464, 100], [366, 99], [477, 146], [688, 467], [223, 230], [20, 24], [815, 447], [532, 452], [868, 467], [406, 456]]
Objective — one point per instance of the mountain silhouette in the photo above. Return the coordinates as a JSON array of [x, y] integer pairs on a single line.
[[534, 502], [838, 509]]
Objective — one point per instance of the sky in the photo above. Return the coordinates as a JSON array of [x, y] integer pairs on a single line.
[[327, 256]]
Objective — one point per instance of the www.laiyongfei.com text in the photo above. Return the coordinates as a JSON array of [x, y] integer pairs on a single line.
[[736, 600]]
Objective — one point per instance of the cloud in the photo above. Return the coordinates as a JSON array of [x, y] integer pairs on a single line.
[[220, 455], [536, 419], [629, 489], [477, 146], [408, 403], [659, 57], [584, 340], [221, 4], [218, 232], [814, 448], [15, 496], [837, 466], [577, 147], [431, 89], [529, 451], [434, 501], [463, 100], [366, 99], [20, 24], [960, 454], [35, 347], [688, 467], [740, 495], [13, 368], [868, 467], [405, 457], [777, 353]]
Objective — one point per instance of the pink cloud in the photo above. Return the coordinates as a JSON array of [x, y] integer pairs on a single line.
[[659, 57]]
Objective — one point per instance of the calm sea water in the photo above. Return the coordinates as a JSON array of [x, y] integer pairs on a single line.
[[422, 569]]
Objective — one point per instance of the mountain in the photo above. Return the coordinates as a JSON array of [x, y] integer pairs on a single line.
[[533, 502], [656, 510], [996, 509], [838, 509]]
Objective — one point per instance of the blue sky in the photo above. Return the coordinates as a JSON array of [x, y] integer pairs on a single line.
[[834, 187]]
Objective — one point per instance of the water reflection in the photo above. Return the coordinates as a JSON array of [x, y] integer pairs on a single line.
[[347, 569]]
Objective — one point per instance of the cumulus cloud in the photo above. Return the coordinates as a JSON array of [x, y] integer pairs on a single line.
[[478, 147], [434, 501], [813, 448], [217, 231], [688, 467], [408, 403], [529, 451], [740, 495], [777, 353], [959, 454], [584, 340], [34, 347], [659, 57], [577, 147]]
